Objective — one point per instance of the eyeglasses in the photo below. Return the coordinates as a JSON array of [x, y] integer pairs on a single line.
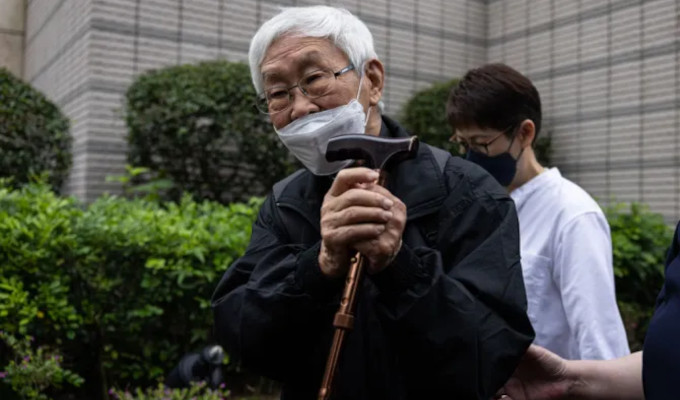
[[313, 85], [481, 147]]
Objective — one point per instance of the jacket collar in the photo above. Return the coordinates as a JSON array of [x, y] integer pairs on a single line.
[[418, 183]]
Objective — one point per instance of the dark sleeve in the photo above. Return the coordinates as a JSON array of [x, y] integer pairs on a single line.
[[674, 250], [673, 253], [273, 302], [458, 312]]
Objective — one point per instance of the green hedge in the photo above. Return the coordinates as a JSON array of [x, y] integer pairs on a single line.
[[425, 115], [640, 240], [121, 287], [197, 125], [34, 136]]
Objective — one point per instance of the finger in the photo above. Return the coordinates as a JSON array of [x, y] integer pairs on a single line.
[[356, 215], [349, 234], [349, 177], [356, 197], [514, 388], [396, 224], [383, 191]]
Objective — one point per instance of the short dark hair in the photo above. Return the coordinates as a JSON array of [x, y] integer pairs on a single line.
[[493, 96]]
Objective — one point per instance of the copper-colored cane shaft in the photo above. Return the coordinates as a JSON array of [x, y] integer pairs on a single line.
[[344, 318]]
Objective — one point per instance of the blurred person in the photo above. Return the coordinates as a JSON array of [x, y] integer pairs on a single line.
[[649, 374], [566, 247]]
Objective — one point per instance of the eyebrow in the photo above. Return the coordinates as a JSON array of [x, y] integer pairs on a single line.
[[472, 139], [311, 57]]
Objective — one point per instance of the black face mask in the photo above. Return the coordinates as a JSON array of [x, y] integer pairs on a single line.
[[502, 167]]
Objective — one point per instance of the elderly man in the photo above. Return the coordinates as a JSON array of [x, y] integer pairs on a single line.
[[442, 313]]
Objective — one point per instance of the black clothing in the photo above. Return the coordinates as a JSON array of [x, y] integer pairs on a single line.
[[447, 319], [661, 353]]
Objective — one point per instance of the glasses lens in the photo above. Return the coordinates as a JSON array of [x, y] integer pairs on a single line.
[[261, 104], [317, 83], [276, 99]]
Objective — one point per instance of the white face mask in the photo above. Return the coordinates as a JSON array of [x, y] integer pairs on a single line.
[[307, 138]]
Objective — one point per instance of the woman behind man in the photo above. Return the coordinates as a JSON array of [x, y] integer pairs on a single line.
[[566, 250]]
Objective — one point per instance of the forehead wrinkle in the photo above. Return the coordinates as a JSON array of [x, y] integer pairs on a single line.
[[310, 57]]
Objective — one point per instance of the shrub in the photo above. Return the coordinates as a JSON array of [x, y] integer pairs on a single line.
[[543, 148], [197, 391], [121, 287], [32, 372], [425, 115], [640, 240], [38, 246], [197, 126], [34, 137]]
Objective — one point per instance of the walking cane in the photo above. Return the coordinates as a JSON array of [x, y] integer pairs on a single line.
[[376, 152]]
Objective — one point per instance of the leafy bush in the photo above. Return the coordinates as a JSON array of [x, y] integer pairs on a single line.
[[543, 148], [31, 372], [197, 391], [34, 134], [197, 126], [121, 287], [38, 247], [425, 115], [640, 241]]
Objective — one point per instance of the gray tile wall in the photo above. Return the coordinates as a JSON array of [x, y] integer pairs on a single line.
[[85, 53], [12, 22], [608, 71], [57, 62], [609, 77]]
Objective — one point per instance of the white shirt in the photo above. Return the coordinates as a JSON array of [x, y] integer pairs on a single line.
[[567, 266]]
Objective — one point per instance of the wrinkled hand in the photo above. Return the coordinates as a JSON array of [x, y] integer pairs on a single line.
[[381, 250], [541, 375], [353, 211]]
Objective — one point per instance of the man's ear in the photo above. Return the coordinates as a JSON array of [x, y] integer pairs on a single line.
[[375, 78], [527, 133]]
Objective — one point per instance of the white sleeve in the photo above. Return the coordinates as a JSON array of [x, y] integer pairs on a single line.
[[585, 277]]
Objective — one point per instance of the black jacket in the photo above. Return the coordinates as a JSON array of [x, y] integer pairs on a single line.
[[661, 353], [446, 320]]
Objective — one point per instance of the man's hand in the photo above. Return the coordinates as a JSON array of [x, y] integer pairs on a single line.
[[353, 211], [541, 375], [382, 249]]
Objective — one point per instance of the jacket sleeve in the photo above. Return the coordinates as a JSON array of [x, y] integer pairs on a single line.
[[583, 272], [672, 253], [269, 306], [458, 312]]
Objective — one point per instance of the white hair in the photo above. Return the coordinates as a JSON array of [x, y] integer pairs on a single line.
[[342, 28]]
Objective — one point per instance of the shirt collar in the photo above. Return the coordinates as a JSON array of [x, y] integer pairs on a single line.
[[523, 192]]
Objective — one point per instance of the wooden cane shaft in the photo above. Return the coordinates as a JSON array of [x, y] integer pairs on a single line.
[[344, 318], [343, 322], [331, 364]]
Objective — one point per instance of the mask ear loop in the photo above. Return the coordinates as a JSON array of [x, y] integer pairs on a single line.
[[368, 114], [361, 80], [521, 151]]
